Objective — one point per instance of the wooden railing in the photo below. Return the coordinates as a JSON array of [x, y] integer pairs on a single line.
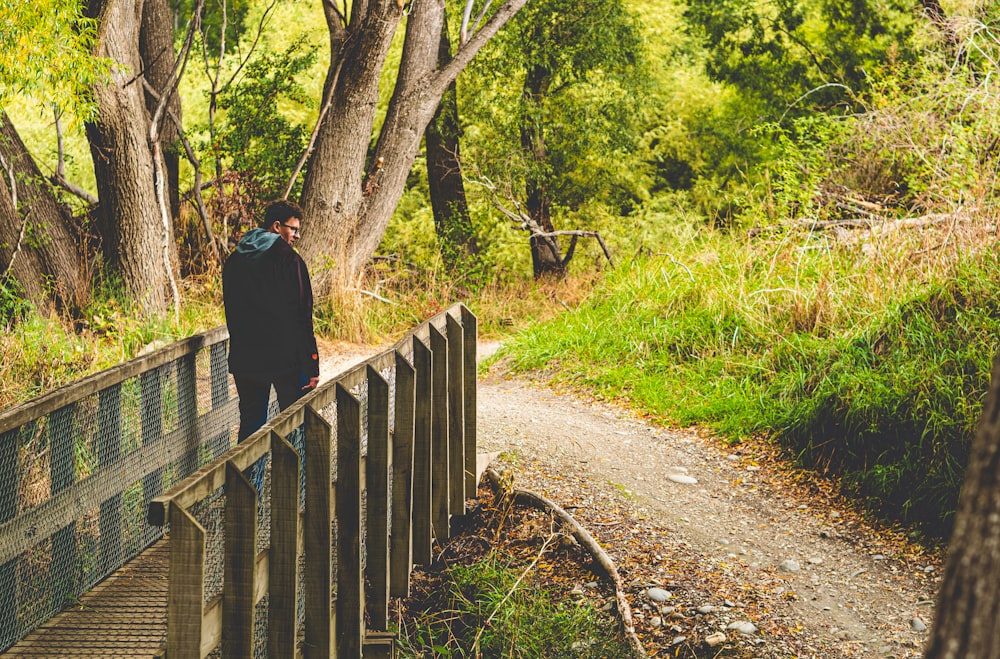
[[414, 408], [78, 465]]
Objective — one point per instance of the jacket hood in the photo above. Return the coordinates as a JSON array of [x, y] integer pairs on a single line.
[[256, 242]]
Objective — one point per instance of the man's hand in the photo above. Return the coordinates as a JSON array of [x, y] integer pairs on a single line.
[[312, 384]]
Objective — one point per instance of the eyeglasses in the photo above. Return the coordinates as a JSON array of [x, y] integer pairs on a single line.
[[296, 230]]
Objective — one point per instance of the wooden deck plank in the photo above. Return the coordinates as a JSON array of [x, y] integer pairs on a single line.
[[123, 616]]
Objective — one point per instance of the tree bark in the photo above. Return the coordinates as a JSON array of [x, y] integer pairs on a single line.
[[47, 263], [452, 223], [156, 51], [347, 210], [136, 242], [546, 257], [967, 621]]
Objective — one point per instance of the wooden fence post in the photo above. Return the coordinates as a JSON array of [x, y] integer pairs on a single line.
[[185, 585], [64, 570], [239, 565], [423, 454], [151, 404], [377, 501], [219, 375], [470, 325], [109, 452], [10, 479], [319, 639], [350, 589], [401, 556], [456, 416], [440, 466], [187, 413], [283, 598]]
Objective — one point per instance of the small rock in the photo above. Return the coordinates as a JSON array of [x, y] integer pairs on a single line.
[[731, 605], [656, 622], [715, 639], [667, 610], [592, 584], [679, 470], [788, 565], [682, 479], [742, 626], [577, 592], [753, 468], [857, 572], [917, 625], [705, 609], [878, 557], [816, 560], [678, 640], [834, 515], [658, 594], [582, 645], [732, 458]]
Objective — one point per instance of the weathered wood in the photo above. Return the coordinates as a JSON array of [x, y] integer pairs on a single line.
[[423, 456], [186, 585], [400, 553], [151, 412], [441, 464], [219, 376], [109, 454], [456, 417], [470, 325], [350, 589], [187, 413], [77, 391], [10, 476], [61, 509], [283, 556], [238, 566], [62, 453], [318, 537], [377, 502]]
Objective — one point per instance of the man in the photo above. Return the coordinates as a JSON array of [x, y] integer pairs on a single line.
[[269, 304]]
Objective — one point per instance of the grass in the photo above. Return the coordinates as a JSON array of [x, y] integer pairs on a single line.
[[868, 359]]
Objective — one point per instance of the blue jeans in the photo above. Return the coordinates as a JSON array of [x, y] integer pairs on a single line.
[[254, 396]]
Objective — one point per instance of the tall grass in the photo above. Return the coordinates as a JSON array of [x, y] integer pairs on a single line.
[[868, 357]]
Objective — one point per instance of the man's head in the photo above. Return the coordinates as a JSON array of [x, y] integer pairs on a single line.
[[284, 218]]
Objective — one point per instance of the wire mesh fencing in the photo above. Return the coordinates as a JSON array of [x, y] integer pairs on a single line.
[[79, 466]]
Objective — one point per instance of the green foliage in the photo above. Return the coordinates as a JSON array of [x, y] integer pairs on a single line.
[[781, 50], [46, 52], [489, 614], [866, 368], [575, 76], [255, 137], [216, 14]]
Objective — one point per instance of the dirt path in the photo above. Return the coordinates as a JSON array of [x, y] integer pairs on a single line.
[[732, 534], [730, 529]]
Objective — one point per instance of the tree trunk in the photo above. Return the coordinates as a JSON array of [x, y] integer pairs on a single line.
[[967, 621], [47, 265], [546, 257], [156, 50], [137, 243], [346, 211], [452, 223]]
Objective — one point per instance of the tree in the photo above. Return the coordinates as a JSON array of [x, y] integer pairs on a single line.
[[38, 245], [348, 197], [452, 223], [794, 56], [578, 65], [45, 52], [138, 236], [967, 623]]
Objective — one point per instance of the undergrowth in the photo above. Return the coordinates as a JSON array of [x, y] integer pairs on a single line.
[[493, 591]]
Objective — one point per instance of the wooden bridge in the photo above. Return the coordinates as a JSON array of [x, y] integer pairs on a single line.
[[129, 527]]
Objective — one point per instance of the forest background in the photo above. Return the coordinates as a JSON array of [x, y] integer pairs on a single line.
[[798, 201]]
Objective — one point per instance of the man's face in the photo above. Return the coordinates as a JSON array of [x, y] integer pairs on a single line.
[[290, 229]]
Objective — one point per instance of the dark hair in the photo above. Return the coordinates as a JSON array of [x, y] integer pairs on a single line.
[[280, 211]]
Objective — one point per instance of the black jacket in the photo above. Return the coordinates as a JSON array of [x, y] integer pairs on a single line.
[[269, 304]]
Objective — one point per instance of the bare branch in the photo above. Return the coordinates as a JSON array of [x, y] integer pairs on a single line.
[[59, 178]]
